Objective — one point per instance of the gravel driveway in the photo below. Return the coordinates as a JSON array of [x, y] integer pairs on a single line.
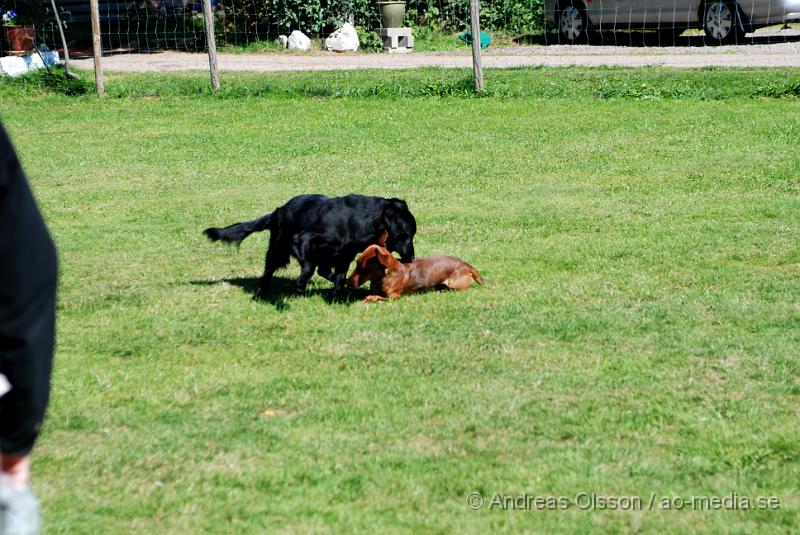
[[783, 54]]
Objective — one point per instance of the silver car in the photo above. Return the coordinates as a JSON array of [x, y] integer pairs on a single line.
[[723, 22]]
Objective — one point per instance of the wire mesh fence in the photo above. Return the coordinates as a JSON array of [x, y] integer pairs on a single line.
[[150, 25]]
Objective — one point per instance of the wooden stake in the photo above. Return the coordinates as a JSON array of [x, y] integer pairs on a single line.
[[97, 47], [63, 41], [208, 18], [477, 66]]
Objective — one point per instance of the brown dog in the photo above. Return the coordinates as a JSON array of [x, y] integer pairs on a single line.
[[390, 278]]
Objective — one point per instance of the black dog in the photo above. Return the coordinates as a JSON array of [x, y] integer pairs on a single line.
[[326, 233]]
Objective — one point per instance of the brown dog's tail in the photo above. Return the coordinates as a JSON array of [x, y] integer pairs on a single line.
[[477, 276]]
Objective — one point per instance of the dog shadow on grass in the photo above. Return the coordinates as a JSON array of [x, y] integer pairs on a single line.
[[282, 291]]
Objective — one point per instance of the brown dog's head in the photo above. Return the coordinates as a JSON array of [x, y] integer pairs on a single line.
[[373, 264]]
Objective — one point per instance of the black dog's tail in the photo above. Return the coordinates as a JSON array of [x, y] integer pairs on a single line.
[[237, 232]]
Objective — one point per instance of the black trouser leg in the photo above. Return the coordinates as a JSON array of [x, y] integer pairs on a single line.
[[28, 272]]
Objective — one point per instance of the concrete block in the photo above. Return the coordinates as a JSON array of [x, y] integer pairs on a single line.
[[397, 39]]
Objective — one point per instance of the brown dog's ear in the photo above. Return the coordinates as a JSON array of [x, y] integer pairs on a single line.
[[368, 253], [386, 258]]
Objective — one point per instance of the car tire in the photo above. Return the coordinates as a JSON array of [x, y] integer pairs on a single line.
[[573, 23], [722, 23]]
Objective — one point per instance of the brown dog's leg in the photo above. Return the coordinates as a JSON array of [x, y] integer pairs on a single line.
[[374, 298], [459, 280]]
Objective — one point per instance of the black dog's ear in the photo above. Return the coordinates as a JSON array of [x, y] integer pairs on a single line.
[[399, 203], [382, 238], [389, 219], [398, 220]]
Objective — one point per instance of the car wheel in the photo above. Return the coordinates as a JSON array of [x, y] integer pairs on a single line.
[[573, 24], [721, 23]]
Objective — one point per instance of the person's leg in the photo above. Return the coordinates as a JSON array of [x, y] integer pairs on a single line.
[[18, 468], [20, 513], [26, 351], [28, 274]]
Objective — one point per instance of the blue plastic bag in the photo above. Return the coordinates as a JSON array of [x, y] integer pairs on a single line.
[[467, 38]]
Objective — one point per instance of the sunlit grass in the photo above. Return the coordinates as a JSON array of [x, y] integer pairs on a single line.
[[639, 336]]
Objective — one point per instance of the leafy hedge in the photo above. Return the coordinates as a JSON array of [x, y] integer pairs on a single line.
[[317, 17]]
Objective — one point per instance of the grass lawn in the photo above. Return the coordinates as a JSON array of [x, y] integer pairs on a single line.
[[639, 338]]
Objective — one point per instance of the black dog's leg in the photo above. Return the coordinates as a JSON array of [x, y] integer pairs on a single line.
[[325, 272], [271, 264], [339, 278], [338, 288], [263, 284], [302, 249], [306, 272]]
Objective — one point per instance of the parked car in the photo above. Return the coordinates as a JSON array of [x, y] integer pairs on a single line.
[[722, 21]]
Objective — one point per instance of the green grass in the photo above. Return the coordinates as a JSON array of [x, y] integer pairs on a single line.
[[430, 40], [257, 47], [537, 83], [640, 334]]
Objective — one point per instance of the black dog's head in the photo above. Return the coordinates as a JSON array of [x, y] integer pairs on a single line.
[[401, 226]]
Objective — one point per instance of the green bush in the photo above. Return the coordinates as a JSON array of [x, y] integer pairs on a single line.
[[269, 18], [369, 40], [249, 19], [511, 16]]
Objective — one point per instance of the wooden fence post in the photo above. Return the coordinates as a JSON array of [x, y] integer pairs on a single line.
[[97, 47], [477, 66], [208, 18]]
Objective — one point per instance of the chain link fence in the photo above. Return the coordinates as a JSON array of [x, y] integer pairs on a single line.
[[151, 25]]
